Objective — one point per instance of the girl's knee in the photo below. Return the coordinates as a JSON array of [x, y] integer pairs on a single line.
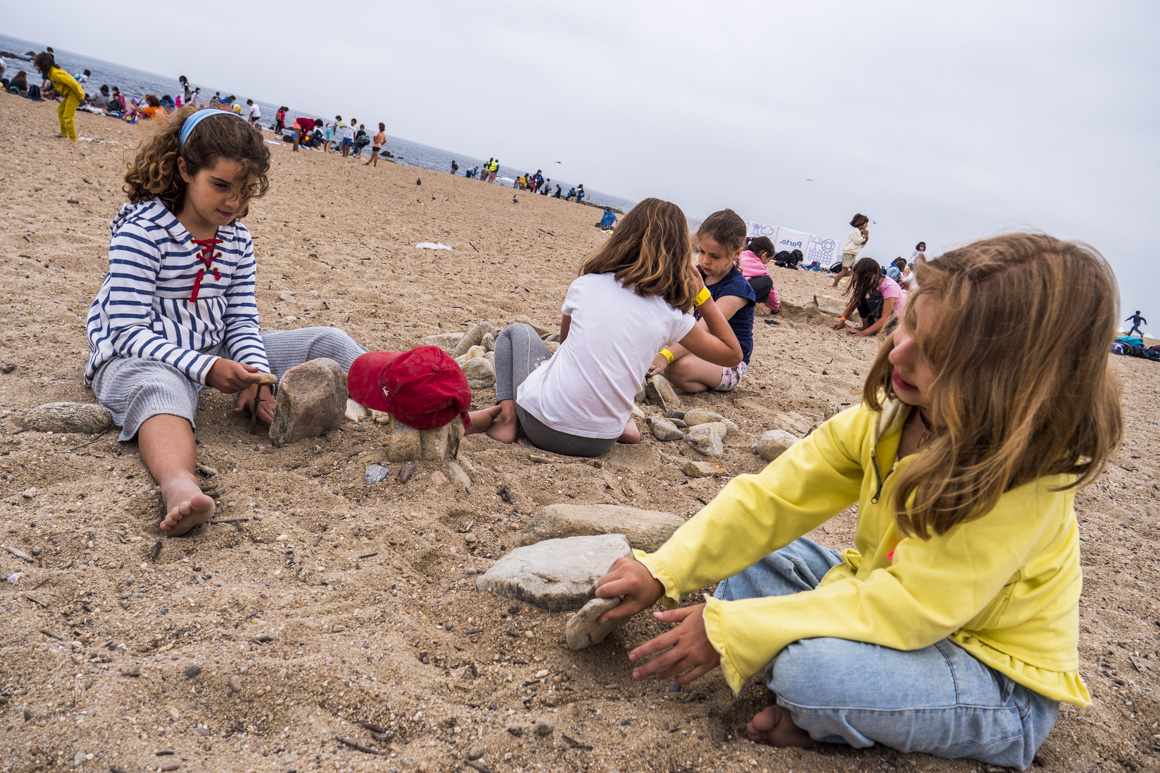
[[815, 672]]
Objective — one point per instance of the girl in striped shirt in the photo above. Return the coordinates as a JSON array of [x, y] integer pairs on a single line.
[[176, 313]]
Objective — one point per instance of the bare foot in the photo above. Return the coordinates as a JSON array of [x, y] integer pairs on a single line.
[[185, 507], [631, 433], [60, 136], [774, 726], [481, 420], [505, 425]]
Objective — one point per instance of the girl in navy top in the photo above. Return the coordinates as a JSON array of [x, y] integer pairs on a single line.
[[719, 242]]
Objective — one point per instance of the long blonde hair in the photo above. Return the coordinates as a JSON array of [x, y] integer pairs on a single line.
[[1018, 344], [154, 172], [650, 252]]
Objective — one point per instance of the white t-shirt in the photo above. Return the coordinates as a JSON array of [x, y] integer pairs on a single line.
[[255, 111], [587, 387], [346, 132]]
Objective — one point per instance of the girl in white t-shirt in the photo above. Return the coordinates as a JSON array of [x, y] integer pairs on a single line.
[[633, 296], [876, 296]]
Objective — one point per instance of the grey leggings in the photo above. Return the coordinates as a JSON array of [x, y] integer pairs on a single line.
[[134, 389], [519, 351]]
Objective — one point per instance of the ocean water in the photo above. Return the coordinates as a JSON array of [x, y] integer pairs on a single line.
[[137, 83]]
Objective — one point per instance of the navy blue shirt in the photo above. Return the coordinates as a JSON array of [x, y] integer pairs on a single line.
[[734, 283]]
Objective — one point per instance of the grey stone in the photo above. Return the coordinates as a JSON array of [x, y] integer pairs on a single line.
[[639, 397], [406, 444], [445, 341], [697, 416], [644, 529], [375, 473], [557, 574], [356, 412], [674, 413], [721, 427], [584, 628], [704, 469], [773, 444], [679, 423], [88, 418], [459, 475], [706, 440], [472, 337], [311, 401], [663, 429], [793, 423], [488, 342], [480, 373], [661, 393]]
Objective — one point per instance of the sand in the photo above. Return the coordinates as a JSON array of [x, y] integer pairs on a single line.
[[338, 607]]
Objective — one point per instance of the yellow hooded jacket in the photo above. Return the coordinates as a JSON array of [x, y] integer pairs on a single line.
[[1005, 586], [66, 84]]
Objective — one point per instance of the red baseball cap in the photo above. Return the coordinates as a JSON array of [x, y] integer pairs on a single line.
[[424, 388]]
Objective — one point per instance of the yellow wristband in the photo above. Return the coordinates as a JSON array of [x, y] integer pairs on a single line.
[[702, 296], [668, 355]]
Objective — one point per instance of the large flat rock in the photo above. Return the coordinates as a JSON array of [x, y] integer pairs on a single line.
[[644, 529], [557, 574]]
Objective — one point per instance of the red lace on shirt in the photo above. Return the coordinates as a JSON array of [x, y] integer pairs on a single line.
[[206, 256]]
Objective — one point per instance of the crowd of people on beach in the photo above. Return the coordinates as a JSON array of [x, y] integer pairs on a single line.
[[951, 630]]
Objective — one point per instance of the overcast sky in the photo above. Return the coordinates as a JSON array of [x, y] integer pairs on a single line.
[[942, 122]]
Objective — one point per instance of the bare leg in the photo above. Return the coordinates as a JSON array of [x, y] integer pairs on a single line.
[[481, 420], [692, 374], [168, 450], [505, 425], [631, 433], [775, 727], [844, 272]]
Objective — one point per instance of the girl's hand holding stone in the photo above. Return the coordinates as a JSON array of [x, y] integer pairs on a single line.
[[265, 407], [689, 654], [658, 365], [628, 578], [231, 377]]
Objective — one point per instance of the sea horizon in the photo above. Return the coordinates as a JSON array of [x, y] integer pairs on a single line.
[[136, 83]]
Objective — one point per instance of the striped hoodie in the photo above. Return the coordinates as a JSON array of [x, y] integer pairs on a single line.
[[144, 309]]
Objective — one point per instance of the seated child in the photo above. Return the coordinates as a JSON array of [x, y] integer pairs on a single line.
[[878, 298], [719, 242], [176, 313], [634, 294], [757, 253], [953, 627]]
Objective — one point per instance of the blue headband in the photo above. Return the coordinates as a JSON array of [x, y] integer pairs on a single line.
[[198, 117]]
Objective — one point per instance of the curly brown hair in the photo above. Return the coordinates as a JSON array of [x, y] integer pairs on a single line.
[[1011, 404], [154, 172], [650, 252]]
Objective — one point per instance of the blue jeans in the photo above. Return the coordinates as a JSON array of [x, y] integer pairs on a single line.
[[939, 699]]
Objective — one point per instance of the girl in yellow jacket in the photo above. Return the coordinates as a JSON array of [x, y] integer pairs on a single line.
[[70, 91], [952, 626]]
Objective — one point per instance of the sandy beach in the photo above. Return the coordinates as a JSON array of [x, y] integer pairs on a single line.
[[330, 608]]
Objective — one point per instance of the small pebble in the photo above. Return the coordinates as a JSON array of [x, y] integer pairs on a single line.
[[544, 728], [192, 671], [236, 683], [475, 754], [8, 367], [78, 758], [375, 473], [28, 493], [406, 471]]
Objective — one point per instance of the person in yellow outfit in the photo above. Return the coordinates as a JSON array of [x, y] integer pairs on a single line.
[[952, 626], [67, 87]]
